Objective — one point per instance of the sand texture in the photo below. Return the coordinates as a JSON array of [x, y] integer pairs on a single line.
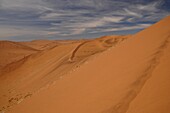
[[111, 74]]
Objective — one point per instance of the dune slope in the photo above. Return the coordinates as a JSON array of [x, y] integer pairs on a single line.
[[47, 44], [120, 77], [35, 72], [13, 51], [154, 96]]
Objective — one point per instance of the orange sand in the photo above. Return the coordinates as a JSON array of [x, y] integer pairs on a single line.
[[112, 74]]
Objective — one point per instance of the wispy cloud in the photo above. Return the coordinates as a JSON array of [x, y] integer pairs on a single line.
[[11, 31], [134, 14], [122, 28], [138, 26], [98, 22], [59, 18]]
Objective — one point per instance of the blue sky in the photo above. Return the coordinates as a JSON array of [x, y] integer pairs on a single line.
[[75, 19]]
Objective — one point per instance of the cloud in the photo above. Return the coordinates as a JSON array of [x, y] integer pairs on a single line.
[[131, 13], [153, 6], [59, 18], [139, 26], [122, 28], [81, 27], [99, 22], [10, 31]]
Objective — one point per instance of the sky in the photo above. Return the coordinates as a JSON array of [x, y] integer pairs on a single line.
[[22, 20]]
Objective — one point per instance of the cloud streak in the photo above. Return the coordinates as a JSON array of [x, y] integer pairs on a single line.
[[75, 18]]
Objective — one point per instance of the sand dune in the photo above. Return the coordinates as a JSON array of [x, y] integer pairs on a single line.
[[47, 44], [32, 73], [13, 51], [111, 74]]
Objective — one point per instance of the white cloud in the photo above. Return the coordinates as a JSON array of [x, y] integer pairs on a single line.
[[49, 16], [10, 31], [123, 28], [114, 19], [151, 6], [80, 27], [132, 13], [53, 32], [98, 22], [139, 26], [21, 4], [75, 17], [78, 31]]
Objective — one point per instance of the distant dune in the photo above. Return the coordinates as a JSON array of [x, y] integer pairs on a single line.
[[13, 51], [111, 74]]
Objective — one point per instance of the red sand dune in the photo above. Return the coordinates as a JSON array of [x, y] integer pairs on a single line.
[[112, 74]]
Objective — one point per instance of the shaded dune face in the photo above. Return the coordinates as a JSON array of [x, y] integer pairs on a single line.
[[13, 51], [50, 61]]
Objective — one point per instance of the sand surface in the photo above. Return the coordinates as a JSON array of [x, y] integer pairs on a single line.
[[111, 74]]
